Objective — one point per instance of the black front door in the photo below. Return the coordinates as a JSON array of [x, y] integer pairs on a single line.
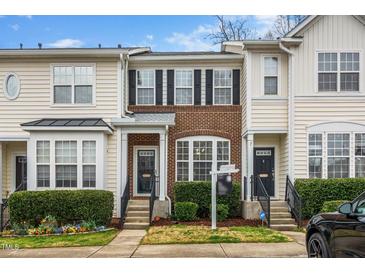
[[264, 167], [20, 173], [145, 170]]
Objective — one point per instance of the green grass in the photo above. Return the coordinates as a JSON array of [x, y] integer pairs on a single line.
[[89, 239], [185, 234]]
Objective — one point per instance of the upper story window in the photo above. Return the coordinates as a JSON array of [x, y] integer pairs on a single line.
[[11, 86], [222, 87], [145, 87], [338, 71], [73, 85], [271, 75], [184, 87]]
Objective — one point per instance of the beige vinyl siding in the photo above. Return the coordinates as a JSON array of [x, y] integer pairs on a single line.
[[34, 101], [326, 33], [111, 168], [271, 114], [243, 93], [283, 164], [309, 112]]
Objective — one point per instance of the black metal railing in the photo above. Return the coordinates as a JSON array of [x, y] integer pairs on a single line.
[[294, 201], [245, 185], [262, 197], [4, 222], [153, 195], [124, 203]]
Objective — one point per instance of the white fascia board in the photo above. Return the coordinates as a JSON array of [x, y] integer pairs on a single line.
[[4, 138], [300, 26], [45, 128], [139, 50], [186, 57], [132, 122]]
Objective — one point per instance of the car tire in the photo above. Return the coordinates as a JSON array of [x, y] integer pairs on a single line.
[[317, 247]]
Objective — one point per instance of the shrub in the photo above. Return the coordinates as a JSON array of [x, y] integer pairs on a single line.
[[315, 192], [185, 211], [331, 206], [66, 206], [200, 193], [222, 212]]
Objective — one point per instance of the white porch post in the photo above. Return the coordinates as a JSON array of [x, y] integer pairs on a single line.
[[163, 165], [123, 166], [250, 159], [1, 173]]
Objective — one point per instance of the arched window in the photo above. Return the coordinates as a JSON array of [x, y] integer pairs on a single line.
[[196, 156], [11, 86]]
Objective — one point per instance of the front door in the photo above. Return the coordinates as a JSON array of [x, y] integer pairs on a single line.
[[20, 173], [264, 167], [146, 165]]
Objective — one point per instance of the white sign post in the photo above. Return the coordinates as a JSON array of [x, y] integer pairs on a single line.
[[224, 169]]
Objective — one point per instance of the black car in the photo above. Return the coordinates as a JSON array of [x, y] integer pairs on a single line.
[[338, 234]]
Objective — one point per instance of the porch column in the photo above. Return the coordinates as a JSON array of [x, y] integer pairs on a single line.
[[122, 166], [250, 159], [163, 165], [1, 173]]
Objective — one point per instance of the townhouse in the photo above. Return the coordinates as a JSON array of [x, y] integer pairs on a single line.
[[116, 119]]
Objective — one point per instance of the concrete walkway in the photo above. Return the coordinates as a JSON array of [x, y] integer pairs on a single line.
[[126, 245]]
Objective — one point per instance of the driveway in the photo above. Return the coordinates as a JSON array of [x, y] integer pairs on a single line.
[[126, 245]]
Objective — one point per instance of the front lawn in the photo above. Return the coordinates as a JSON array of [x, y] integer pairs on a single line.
[[87, 239], [183, 234]]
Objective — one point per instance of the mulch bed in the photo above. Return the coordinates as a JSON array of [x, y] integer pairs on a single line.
[[207, 222]]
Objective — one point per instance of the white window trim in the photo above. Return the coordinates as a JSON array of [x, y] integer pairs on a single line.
[[5, 88], [192, 86], [77, 164], [203, 138], [154, 87], [263, 56], [214, 86], [42, 164], [318, 156], [350, 156], [73, 104], [338, 72], [87, 164]]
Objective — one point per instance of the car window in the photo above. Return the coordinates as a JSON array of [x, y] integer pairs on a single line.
[[360, 207]]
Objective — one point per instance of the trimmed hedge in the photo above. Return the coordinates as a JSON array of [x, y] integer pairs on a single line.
[[332, 206], [65, 205], [186, 211], [200, 193], [315, 192], [222, 212]]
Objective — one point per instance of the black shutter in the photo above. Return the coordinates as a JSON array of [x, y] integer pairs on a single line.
[[236, 86], [197, 86], [170, 87], [158, 87], [209, 87], [132, 87]]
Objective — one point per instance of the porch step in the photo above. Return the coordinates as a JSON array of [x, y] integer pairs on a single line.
[[277, 215], [282, 221], [278, 203], [138, 208], [136, 225], [138, 203], [285, 227], [138, 213], [278, 209], [137, 219]]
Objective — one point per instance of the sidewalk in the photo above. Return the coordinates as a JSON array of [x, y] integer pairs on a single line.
[[126, 245]]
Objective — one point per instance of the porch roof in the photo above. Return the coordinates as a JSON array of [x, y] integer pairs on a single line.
[[146, 119], [93, 124]]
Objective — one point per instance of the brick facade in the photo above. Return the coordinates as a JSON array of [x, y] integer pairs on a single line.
[[220, 121]]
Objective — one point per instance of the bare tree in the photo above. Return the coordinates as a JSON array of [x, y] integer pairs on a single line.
[[285, 23], [231, 29]]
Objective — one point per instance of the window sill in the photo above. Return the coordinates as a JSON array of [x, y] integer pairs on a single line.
[[72, 106]]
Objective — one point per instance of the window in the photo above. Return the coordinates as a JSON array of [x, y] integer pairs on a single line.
[[222, 87], [271, 72], [196, 156], [43, 160], [338, 155], [11, 86], [88, 163], [338, 71], [315, 155], [66, 163], [184, 87], [73, 84], [145, 87], [360, 155]]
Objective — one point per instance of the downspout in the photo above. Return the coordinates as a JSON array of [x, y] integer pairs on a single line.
[[127, 83], [124, 86], [166, 173], [290, 109]]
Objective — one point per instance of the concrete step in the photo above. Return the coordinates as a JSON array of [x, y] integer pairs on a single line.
[[131, 213], [277, 215], [137, 219], [136, 225], [283, 227], [282, 221], [138, 208], [138, 202], [279, 209], [278, 203]]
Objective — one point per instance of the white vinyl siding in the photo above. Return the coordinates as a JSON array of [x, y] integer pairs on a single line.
[[222, 91], [145, 87], [184, 87]]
